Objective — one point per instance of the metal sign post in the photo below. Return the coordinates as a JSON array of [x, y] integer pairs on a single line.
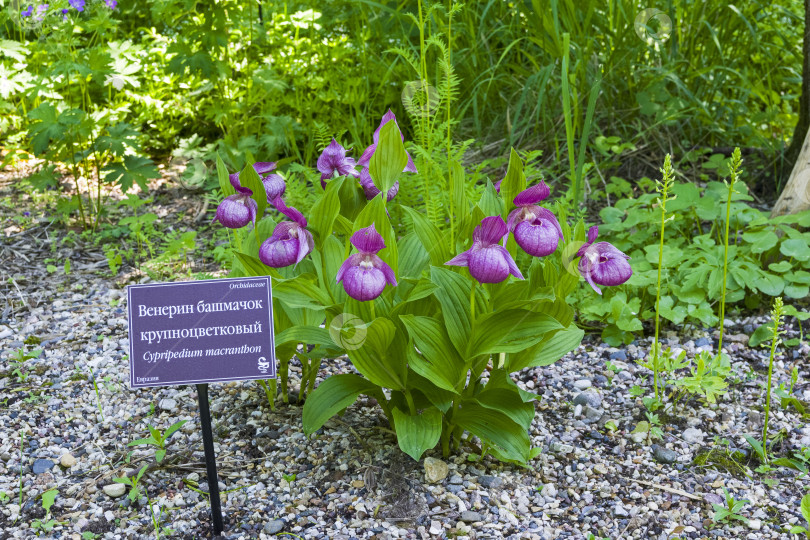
[[210, 459]]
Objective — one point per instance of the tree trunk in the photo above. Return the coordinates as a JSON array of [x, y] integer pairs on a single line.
[[796, 195], [792, 153]]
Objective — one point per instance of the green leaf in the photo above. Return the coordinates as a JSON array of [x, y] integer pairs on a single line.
[[454, 296], [496, 429], [301, 292], [311, 335], [255, 267], [389, 159], [548, 351], [13, 49], [805, 507], [419, 433], [514, 182], [796, 248], [374, 360], [502, 394], [438, 361], [511, 330], [439, 397], [249, 178], [763, 333], [134, 170], [173, 429], [761, 241], [325, 211], [769, 284], [160, 454], [46, 129], [222, 176], [672, 256], [431, 237], [458, 194], [490, 202], [413, 255], [48, 497], [332, 396]]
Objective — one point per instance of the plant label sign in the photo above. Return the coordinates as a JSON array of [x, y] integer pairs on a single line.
[[194, 332]]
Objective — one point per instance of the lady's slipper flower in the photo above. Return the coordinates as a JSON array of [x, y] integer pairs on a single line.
[[536, 229], [488, 261], [602, 263], [364, 274], [365, 159], [290, 241], [237, 210], [274, 185], [371, 191], [333, 162]]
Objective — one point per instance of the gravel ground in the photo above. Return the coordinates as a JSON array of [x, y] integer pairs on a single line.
[[350, 480]]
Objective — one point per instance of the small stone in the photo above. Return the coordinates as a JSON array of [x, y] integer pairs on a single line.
[[549, 490], [5, 332], [167, 404], [600, 468], [109, 515], [588, 398], [456, 479], [638, 438], [702, 342], [115, 490], [582, 384], [693, 435], [42, 465], [664, 455], [755, 524], [274, 526], [471, 517], [67, 461], [358, 484], [491, 482], [592, 414], [618, 355], [435, 528], [560, 448], [620, 511], [436, 470]]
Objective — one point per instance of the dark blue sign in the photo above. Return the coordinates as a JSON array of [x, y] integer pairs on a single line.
[[193, 332]]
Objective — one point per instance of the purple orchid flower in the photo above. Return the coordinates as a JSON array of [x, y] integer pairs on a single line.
[[488, 261], [274, 185], [536, 229], [27, 11], [78, 5], [365, 159], [237, 210], [41, 9], [602, 263], [364, 274], [371, 191], [112, 4], [333, 162], [290, 241]]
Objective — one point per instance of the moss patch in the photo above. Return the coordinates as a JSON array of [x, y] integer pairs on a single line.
[[722, 459]]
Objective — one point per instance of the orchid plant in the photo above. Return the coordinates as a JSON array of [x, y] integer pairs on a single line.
[[435, 344]]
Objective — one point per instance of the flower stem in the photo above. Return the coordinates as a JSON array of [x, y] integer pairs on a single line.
[[736, 162], [663, 188], [777, 316]]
